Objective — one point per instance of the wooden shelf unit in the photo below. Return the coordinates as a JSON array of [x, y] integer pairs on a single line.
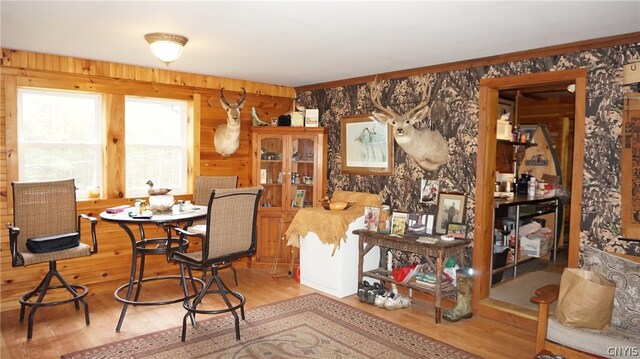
[[285, 153]]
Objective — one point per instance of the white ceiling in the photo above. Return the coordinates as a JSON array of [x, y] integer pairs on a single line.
[[307, 42]]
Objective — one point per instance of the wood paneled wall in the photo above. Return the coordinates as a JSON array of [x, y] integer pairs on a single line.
[[110, 267]]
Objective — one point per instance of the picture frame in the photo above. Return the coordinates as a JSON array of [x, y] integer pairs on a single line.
[[366, 146], [417, 223], [298, 200], [429, 191], [399, 223], [451, 209], [371, 218], [457, 230], [430, 221]]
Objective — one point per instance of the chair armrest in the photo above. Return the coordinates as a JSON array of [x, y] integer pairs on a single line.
[[543, 297], [184, 232], [93, 221], [13, 243], [546, 295]]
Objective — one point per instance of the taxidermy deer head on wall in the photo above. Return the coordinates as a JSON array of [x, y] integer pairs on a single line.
[[427, 146], [227, 136]]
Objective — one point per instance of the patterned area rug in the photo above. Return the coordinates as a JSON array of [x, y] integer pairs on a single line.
[[310, 326]]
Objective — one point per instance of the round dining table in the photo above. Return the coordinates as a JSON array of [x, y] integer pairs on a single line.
[[142, 246]]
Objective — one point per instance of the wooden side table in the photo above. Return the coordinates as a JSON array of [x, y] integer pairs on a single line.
[[438, 250]]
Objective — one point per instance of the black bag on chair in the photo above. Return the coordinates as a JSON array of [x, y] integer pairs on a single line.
[[53, 243]]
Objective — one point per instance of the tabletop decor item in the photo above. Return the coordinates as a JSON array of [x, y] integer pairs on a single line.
[[451, 209], [161, 203], [336, 205], [156, 191], [371, 218], [399, 223], [457, 230]]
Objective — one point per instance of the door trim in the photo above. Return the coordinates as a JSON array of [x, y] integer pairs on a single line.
[[485, 170]]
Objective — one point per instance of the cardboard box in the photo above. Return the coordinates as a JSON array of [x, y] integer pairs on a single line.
[[297, 119], [311, 117], [536, 244]]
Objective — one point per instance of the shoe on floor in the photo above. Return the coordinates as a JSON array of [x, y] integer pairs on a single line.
[[362, 291], [372, 293], [382, 298], [397, 301]]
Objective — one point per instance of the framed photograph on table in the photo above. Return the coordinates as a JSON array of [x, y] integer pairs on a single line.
[[457, 230], [371, 218], [399, 223], [417, 224], [367, 146], [451, 209]]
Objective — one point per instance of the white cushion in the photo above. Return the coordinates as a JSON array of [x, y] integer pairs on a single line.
[[599, 342]]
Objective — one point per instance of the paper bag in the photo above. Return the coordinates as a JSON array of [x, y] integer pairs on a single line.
[[585, 299]]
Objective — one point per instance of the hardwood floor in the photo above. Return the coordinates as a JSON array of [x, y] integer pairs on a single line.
[[59, 330]]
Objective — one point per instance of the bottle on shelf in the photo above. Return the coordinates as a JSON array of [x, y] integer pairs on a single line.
[[515, 134], [532, 187]]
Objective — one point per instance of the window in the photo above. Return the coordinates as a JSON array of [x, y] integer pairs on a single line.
[[155, 144], [59, 137]]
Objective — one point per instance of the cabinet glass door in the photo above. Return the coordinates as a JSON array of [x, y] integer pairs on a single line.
[[303, 172], [272, 171]]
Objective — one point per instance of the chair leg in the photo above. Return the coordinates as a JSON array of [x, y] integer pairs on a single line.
[[223, 292], [25, 298], [75, 294], [185, 290], [41, 291], [46, 282], [191, 306], [235, 274]]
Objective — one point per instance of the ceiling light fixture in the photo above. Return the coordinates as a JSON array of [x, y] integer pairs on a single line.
[[571, 88], [165, 46]]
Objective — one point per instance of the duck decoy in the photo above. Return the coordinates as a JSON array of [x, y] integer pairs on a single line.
[[157, 191]]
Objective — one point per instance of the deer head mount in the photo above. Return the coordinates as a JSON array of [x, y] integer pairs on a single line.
[[427, 146], [227, 136]]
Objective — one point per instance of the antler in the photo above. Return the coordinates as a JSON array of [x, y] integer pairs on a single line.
[[244, 95], [421, 105], [223, 99], [376, 92]]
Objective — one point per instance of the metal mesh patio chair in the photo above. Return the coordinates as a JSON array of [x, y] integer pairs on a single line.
[[46, 228], [204, 186], [230, 234]]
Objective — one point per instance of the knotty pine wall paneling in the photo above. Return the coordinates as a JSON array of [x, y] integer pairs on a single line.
[[109, 268]]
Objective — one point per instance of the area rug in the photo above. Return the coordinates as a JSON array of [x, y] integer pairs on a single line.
[[520, 290], [310, 326]]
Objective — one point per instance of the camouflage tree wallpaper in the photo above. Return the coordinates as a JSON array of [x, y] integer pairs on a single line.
[[454, 112]]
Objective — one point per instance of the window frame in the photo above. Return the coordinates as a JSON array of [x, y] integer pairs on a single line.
[[81, 193], [138, 192], [113, 91]]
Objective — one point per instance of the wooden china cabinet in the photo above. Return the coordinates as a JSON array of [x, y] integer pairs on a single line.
[[291, 164]]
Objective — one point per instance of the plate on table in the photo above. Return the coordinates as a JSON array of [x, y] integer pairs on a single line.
[[143, 215], [446, 238]]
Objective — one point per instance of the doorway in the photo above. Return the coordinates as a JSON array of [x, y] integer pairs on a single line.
[[545, 113], [485, 174]]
